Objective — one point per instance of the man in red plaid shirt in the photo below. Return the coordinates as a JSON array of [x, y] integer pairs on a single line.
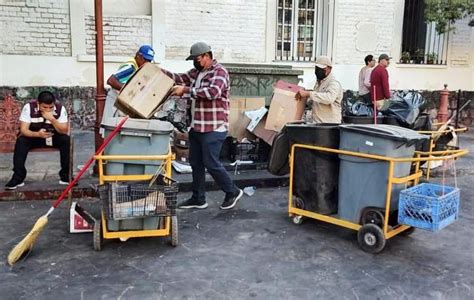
[[206, 88]]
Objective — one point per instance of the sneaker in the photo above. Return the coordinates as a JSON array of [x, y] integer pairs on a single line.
[[65, 182], [13, 184], [193, 203], [231, 200]]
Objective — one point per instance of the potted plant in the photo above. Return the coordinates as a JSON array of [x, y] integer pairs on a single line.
[[405, 58], [419, 56], [431, 58]]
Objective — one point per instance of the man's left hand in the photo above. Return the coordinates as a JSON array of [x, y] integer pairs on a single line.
[[47, 115], [178, 90], [302, 95]]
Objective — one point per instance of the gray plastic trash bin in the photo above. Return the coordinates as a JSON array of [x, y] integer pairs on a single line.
[[363, 182], [137, 137]]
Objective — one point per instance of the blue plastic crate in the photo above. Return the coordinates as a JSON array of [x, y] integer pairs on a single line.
[[428, 206]]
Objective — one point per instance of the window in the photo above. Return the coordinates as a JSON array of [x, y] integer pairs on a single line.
[[421, 44], [304, 29]]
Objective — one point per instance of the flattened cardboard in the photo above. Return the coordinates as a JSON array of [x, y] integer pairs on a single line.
[[237, 107]]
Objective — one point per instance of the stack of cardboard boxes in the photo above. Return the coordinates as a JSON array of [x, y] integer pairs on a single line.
[[249, 119]]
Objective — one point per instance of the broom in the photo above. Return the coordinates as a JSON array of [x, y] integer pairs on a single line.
[[28, 241]]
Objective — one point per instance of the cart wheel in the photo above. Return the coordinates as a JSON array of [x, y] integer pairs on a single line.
[[373, 217], [174, 231], [407, 232], [371, 238], [298, 202], [297, 220], [97, 235]]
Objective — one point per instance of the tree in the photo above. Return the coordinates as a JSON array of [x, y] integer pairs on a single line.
[[445, 12]]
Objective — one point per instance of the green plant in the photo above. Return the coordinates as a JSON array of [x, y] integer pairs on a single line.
[[431, 57], [445, 12], [405, 58], [419, 55]]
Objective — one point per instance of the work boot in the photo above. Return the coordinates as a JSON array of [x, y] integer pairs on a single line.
[[193, 203], [231, 200]]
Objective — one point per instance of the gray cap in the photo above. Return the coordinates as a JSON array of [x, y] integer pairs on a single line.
[[198, 49], [384, 56]]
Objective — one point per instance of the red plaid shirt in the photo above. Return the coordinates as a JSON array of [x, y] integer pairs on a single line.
[[211, 96]]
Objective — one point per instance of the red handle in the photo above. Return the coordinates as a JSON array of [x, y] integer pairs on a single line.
[[375, 107], [90, 161]]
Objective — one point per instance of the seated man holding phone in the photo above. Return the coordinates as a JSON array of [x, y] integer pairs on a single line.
[[43, 123]]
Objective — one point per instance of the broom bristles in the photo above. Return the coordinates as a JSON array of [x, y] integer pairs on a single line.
[[28, 241]]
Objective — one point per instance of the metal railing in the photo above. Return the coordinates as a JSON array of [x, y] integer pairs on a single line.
[[421, 43]]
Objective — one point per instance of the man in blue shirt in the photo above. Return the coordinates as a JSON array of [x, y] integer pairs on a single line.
[[123, 74]]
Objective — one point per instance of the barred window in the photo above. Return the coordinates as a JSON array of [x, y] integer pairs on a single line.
[[421, 43], [304, 29]]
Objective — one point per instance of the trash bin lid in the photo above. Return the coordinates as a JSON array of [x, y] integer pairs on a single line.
[[139, 125], [387, 131]]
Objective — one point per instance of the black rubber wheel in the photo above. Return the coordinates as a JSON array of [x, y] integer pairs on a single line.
[[371, 238], [298, 202], [407, 232], [373, 217], [97, 235], [174, 231]]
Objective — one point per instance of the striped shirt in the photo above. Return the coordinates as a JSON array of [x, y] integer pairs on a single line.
[[207, 96], [126, 71]]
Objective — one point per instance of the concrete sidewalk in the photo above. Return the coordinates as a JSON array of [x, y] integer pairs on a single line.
[[42, 179]]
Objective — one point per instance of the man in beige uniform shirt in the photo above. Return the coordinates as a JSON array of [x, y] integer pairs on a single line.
[[325, 100]]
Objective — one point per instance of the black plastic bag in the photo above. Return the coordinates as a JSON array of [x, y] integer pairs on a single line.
[[359, 109], [405, 106]]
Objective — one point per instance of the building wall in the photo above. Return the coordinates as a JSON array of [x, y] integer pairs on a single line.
[[38, 27], [62, 32], [122, 34], [236, 30]]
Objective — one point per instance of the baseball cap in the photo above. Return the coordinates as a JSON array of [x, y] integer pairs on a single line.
[[147, 52], [198, 49], [323, 62], [384, 56]]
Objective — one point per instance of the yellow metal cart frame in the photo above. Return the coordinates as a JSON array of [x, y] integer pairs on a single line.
[[170, 223], [373, 237], [433, 137]]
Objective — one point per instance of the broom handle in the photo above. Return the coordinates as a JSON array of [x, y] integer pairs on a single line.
[[87, 165]]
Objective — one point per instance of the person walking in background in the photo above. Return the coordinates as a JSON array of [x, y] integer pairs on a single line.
[[364, 78], [379, 83]]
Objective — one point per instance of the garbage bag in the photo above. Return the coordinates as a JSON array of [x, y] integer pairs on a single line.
[[359, 109], [405, 106]]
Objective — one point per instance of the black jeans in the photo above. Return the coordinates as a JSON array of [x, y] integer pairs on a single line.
[[204, 150], [24, 144]]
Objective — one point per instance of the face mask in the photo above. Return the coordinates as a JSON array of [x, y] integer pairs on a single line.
[[320, 73], [197, 65]]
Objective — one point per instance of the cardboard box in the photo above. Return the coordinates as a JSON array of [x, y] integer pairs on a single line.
[[241, 131], [284, 108], [145, 92], [265, 134], [237, 107]]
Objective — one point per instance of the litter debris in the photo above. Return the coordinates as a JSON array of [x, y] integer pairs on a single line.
[[249, 190]]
